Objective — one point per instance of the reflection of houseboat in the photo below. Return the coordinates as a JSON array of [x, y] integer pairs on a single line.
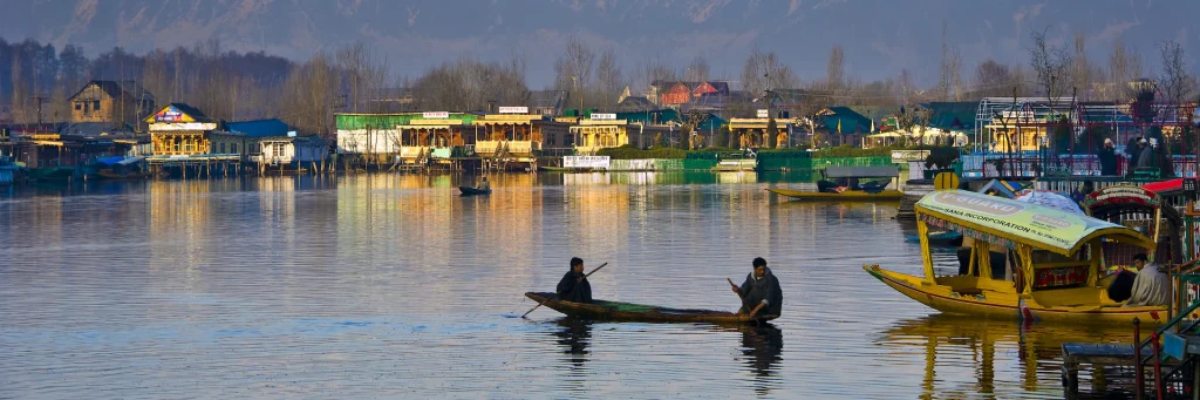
[[119, 167], [8, 171]]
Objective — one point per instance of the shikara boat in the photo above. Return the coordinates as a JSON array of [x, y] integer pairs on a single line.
[[617, 311], [472, 191], [1053, 262], [851, 189]]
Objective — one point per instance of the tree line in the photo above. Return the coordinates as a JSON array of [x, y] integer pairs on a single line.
[[234, 85]]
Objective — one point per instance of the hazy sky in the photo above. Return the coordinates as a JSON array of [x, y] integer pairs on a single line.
[[880, 37]]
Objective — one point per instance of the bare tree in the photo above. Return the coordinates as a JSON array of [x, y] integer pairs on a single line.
[[1081, 70], [697, 70], [835, 71], [1124, 66], [609, 80], [763, 71], [992, 79], [1052, 66], [1175, 83], [574, 70], [949, 80]]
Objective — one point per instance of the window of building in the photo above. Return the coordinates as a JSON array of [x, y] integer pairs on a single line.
[[96, 105], [78, 106], [234, 146]]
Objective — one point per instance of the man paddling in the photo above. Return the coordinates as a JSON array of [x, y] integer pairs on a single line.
[[760, 293], [574, 285]]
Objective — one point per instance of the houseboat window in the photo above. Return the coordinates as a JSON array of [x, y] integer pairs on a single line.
[[234, 146], [96, 105], [78, 105]]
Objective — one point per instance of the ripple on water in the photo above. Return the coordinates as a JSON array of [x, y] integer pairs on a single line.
[[393, 286]]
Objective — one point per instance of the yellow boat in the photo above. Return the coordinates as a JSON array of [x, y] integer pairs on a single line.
[[1064, 254], [848, 178]]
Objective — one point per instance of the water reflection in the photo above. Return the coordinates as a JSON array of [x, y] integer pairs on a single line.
[[574, 335], [763, 344], [1001, 356]]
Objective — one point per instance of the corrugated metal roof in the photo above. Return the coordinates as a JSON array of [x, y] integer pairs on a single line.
[[258, 128]]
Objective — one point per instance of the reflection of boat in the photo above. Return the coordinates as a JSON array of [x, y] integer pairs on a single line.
[[953, 342], [845, 183], [118, 167], [1055, 257], [617, 311], [472, 191]]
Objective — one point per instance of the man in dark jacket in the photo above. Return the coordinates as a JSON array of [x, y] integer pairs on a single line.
[[760, 292], [574, 285]]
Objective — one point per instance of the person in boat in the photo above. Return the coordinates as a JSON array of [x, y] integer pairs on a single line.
[[484, 185], [1121, 287], [574, 285], [1151, 286], [760, 293]]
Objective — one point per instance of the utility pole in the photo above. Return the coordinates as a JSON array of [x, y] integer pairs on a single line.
[[39, 100]]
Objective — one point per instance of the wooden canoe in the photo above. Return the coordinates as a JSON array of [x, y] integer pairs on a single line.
[[471, 191], [849, 195], [617, 311]]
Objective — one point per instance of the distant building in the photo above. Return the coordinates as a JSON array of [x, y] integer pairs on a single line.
[[243, 138], [547, 103], [179, 129], [120, 103], [678, 93]]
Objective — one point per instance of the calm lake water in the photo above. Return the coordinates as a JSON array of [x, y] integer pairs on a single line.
[[384, 286]]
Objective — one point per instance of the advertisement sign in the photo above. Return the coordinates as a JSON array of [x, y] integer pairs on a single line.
[[514, 110], [586, 162], [1011, 219], [604, 116], [435, 115], [171, 115], [762, 113]]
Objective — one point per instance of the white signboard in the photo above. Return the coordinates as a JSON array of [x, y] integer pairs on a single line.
[[604, 116], [590, 162], [1013, 116], [903, 156], [435, 115], [514, 110], [763, 114]]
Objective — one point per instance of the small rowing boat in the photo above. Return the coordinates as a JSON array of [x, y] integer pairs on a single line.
[[617, 311], [471, 191]]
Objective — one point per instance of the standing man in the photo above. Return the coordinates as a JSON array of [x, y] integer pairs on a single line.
[[760, 293], [574, 285]]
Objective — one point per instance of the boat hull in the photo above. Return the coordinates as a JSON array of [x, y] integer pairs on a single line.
[[1010, 305], [617, 311], [849, 195], [470, 191]]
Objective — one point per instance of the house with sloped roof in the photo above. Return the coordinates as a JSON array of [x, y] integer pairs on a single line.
[[843, 126], [113, 102], [180, 130]]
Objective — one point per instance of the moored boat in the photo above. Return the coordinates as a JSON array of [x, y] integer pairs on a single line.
[[618, 311], [849, 184], [1051, 262]]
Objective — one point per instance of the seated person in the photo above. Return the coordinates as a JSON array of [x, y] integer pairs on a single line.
[[1122, 286], [1151, 287]]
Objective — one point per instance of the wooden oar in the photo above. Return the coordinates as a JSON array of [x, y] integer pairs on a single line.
[[548, 299]]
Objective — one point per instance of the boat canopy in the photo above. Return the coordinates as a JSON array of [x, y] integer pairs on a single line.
[[890, 171], [1008, 222]]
